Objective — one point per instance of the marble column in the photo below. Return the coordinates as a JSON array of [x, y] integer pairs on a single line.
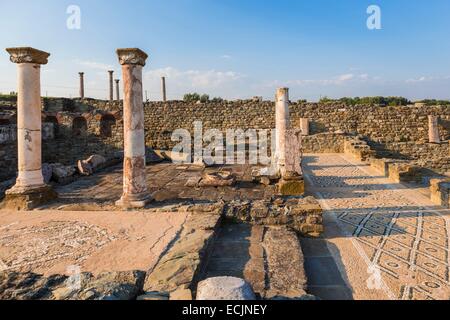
[[111, 85], [135, 193], [433, 129], [304, 126], [81, 85], [117, 90], [30, 190], [163, 88], [281, 125]]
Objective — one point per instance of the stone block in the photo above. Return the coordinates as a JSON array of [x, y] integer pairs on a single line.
[[291, 187], [23, 200], [225, 288]]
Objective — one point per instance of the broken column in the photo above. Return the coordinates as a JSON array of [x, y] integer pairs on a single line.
[[292, 183], [111, 85], [281, 124], [288, 148], [117, 90], [163, 88], [30, 190], [304, 126], [433, 129], [135, 194], [81, 85]]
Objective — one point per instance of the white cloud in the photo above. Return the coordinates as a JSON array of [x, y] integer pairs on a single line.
[[345, 77], [94, 65], [194, 78], [226, 57]]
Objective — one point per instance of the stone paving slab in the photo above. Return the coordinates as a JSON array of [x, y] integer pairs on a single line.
[[166, 181], [388, 241]]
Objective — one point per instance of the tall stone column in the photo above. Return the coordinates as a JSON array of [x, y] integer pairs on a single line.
[[135, 193], [282, 124], [117, 90], [163, 88], [30, 190], [81, 85], [433, 129], [111, 85]]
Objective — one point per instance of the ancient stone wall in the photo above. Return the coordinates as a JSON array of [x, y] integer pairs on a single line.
[[400, 132], [67, 137]]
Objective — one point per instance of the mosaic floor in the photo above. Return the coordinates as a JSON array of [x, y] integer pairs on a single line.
[[398, 233]]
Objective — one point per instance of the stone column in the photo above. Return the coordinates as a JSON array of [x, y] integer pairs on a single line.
[[135, 194], [304, 126], [281, 125], [111, 85], [81, 85], [30, 190], [163, 88], [117, 90], [433, 129]]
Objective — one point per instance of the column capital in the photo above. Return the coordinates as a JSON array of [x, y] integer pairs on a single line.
[[81, 73], [28, 55], [133, 56], [117, 80], [111, 71]]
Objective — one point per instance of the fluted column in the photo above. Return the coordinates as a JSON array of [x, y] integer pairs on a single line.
[[135, 193], [29, 190], [433, 129], [81, 85]]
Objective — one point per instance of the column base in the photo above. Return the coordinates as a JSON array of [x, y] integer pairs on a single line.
[[28, 198], [134, 201], [291, 185]]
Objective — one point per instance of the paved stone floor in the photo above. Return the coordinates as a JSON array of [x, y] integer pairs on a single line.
[[167, 183], [387, 241]]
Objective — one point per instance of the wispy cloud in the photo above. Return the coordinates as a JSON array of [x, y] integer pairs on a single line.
[[226, 57], [336, 81], [202, 79], [427, 79], [94, 65]]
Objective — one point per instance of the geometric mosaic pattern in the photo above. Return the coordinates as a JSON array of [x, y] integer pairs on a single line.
[[398, 231]]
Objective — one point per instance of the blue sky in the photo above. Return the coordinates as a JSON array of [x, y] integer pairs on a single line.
[[239, 48]]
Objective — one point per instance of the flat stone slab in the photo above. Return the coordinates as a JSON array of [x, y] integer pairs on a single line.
[[52, 242], [224, 288], [270, 259]]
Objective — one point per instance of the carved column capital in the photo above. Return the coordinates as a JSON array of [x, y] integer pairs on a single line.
[[28, 55]]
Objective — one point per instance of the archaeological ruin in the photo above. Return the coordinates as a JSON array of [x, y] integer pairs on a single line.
[[353, 194]]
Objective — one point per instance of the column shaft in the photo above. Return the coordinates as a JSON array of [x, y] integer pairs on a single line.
[[281, 124], [81, 85], [29, 126], [163, 88], [111, 85], [135, 192]]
